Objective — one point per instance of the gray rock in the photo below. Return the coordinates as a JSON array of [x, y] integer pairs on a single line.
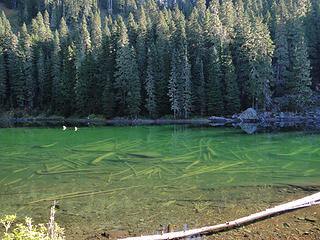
[[249, 114]]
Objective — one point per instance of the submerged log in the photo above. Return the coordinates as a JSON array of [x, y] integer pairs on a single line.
[[300, 203]]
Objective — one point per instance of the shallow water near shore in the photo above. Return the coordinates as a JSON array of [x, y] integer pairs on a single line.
[[136, 178]]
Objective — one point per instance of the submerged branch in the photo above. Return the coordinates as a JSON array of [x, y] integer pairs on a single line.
[[300, 203]]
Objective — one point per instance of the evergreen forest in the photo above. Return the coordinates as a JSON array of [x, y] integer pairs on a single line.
[[152, 58]]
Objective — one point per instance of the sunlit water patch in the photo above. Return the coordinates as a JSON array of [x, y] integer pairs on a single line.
[[140, 177]]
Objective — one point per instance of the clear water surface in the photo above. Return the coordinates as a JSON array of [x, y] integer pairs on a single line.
[[137, 178]]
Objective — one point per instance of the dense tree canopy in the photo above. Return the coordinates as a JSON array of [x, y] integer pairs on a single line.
[[152, 58]]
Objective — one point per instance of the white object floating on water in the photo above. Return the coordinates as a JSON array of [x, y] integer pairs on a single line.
[[64, 128], [75, 129]]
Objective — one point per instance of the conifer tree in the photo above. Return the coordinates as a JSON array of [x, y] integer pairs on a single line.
[[132, 30], [231, 92], [25, 53], [162, 46], [134, 86], [96, 32], [281, 54], [141, 48], [198, 88], [186, 79], [127, 82], [299, 80], [215, 100], [150, 82], [84, 42], [40, 67], [260, 51], [69, 77], [3, 84], [173, 91], [108, 98], [106, 65], [56, 75], [63, 33]]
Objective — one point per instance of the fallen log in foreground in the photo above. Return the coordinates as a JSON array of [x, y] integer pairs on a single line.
[[300, 203]]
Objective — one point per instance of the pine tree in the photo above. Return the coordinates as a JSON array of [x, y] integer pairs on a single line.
[[186, 79], [127, 82], [299, 81], [243, 35], [56, 75], [150, 82], [132, 30], [122, 61], [260, 50], [198, 88], [231, 96], [163, 61], [197, 51], [106, 69], [134, 86], [227, 17], [281, 54], [215, 100], [40, 80], [26, 78], [3, 84], [81, 87], [141, 48], [96, 33], [173, 92], [84, 42], [63, 33], [108, 98], [69, 77]]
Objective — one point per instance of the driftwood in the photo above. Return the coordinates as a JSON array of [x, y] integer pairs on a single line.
[[300, 203]]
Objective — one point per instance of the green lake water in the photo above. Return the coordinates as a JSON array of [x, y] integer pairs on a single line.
[[137, 178]]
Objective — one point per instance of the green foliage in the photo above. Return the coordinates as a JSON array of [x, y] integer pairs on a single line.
[[124, 66], [214, 91], [28, 231]]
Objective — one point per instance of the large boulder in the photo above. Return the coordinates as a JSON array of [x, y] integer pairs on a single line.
[[249, 115]]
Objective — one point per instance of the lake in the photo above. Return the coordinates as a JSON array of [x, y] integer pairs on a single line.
[[141, 178]]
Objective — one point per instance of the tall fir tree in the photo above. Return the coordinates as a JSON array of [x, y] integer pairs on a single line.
[[151, 101], [260, 51], [57, 98], [69, 79], [3, 84], [215, 101], [25, 54], [134, 86], [281, 54], [231, 91], [127, 82], [299, 80], [163, 61], [173, 88], [186, 79]]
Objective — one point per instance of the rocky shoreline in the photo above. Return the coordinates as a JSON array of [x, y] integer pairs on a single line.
[[134, 122], [247, 118], [251, 116]]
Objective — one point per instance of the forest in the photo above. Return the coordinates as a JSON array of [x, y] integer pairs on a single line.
[[185, 58]]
